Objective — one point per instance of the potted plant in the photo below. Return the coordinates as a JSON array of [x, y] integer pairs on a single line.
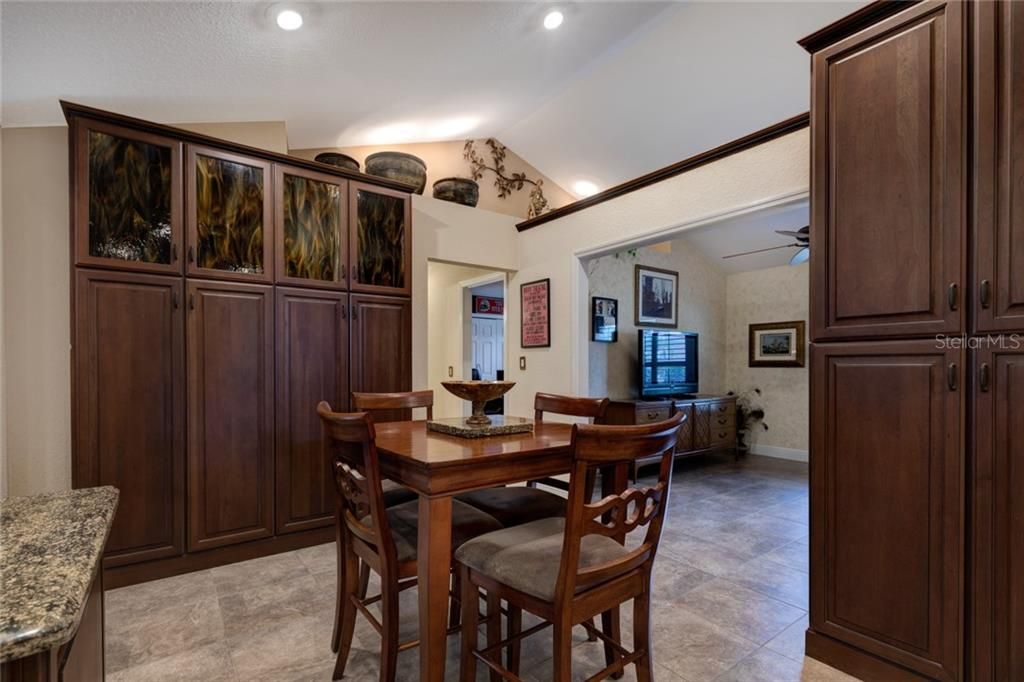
[[749, 417]]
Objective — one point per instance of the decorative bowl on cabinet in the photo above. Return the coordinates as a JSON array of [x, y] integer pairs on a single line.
[[457, 190], [398, 166]]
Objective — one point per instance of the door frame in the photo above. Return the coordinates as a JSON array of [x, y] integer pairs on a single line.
[[466, 322]]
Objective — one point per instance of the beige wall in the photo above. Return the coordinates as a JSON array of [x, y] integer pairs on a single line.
[[444, 159], [270, 135], [701, 310], [772, 172], [770, 295], [445, 330], [3, 370]]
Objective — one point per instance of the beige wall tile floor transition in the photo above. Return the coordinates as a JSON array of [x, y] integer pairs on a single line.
[[730, 585]]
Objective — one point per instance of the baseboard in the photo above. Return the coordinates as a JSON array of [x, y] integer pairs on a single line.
[[780, 453]]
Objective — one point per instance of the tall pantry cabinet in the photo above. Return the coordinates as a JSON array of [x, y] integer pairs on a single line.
[[917, 299], [211, 312]]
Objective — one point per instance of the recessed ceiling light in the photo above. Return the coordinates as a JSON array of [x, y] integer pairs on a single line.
[[289, 19], [553, 20], [584, 188]]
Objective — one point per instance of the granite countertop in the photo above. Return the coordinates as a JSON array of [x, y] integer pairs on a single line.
[[50, 547]]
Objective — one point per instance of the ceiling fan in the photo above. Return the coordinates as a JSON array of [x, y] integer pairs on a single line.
[[803, 242]]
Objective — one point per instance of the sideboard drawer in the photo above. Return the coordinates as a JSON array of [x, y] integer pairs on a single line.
[[723, 435], [646, 414]]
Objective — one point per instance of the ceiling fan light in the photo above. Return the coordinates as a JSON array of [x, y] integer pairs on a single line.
[[800, 256]]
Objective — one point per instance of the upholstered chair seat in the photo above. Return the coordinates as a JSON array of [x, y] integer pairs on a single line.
[[527, 557], [395, 494], [515, 505], [467, 523]]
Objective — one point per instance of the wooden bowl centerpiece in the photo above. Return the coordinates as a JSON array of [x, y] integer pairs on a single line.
[[478, 393]]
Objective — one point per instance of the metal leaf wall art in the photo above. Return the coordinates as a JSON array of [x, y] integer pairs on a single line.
[[229, 215], [129, 199]]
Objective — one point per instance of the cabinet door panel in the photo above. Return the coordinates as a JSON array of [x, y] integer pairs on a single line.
[[381, 240], [701, 425], [999, 514], [999, 166], [231, 412], [126, 188], [229, 199], [887, 227], [311, 224], [381, 337], [886, 496], [129, 407], [312, 365]]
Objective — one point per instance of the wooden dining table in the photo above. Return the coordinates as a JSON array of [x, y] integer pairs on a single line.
[[438, 466]]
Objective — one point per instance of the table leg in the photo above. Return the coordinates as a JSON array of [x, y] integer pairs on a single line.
[[434, 555]]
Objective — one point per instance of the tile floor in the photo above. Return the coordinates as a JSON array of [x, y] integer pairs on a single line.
[[730, 579]]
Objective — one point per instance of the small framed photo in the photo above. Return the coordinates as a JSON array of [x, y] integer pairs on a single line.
[[535, 306], [656, 297], [777, 344], [604, 319]]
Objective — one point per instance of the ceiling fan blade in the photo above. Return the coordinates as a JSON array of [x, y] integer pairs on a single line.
[[770, 248], [800, 256], [802, 235]]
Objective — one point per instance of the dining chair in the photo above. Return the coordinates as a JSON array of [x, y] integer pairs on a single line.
[[515, 505], [567, 570], [382, 537]]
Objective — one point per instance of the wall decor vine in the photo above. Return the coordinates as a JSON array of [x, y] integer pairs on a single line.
[[504, 181]]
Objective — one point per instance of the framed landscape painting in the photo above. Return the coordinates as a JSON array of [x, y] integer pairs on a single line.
[[656, 297], [777, 344], [535, 306]]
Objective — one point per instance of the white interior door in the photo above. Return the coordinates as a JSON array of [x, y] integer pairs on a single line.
[[488, 346]]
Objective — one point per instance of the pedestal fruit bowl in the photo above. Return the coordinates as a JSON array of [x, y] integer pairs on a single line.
[[478, 393]]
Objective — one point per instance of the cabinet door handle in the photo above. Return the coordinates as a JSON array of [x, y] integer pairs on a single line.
[[985, 293], [983, 377], [343, 271], [174, 299], [191, 301], [191, 254], [953, 295], [952, 375], [355, 313], [174, 253], [344, 315]]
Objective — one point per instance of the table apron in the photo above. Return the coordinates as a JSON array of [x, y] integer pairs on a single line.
[[459, 478]]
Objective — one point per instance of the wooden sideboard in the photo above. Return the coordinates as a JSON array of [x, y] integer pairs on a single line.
[[218, 293], [711, 425]]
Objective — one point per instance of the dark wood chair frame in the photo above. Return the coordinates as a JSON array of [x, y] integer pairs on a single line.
[[582, 594], [571, 406], [409, 400], [351, 438]]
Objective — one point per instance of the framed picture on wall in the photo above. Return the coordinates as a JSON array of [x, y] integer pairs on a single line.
[[656, 297], [604, 319], [535, 308], [776, 344]]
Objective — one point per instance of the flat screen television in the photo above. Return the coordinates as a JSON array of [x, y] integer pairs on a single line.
[[667, 362]]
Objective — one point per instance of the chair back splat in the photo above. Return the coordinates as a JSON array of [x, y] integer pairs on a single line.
[[394, 406], [615, 516]]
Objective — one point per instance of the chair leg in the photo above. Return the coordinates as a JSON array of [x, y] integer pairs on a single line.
[[561, 670], [642, 636], [514, 627], [453, 608], [470, 625], [364, 579], [389, 630], [591, 637], [340, 600], [348, 612], [610, 627], [494, 628]]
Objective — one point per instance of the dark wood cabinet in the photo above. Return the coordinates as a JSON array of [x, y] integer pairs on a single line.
[[126, 198], [311, 228], [128, 398], [231, 413], [381, 327], [380, 240], [998, 511], [195, 380], [229, 208], [312, 365], [998, 157], [710, 423], [888, 202], [887, 502]]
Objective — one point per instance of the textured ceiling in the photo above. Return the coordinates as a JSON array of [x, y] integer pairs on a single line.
[[355, 73], [620, 89]]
